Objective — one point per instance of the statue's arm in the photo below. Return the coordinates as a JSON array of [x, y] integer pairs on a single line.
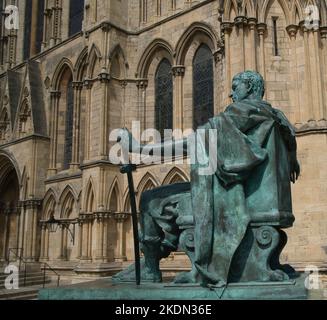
[[129, 143], [178, 147], [289, 136]]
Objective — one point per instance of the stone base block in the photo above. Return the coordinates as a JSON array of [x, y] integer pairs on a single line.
[[106, 290]]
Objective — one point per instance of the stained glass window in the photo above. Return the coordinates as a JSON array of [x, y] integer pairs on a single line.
[[203, 97], [275, 35], [27, 31], [76, 14], [69, 125], [164, 97], [1, 35], [39, 28]]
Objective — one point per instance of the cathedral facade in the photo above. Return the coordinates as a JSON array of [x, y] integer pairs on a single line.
[[71, 72]]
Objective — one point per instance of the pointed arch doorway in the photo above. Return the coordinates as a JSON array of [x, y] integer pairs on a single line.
[[9, 207]]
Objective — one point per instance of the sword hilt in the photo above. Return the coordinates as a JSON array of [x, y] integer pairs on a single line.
[[128, 168]]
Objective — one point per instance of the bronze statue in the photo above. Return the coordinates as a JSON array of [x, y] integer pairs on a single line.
[[229, 222]]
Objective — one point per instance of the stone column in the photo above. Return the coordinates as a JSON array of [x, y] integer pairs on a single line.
[[46, 27], [5, 212], [262, 28], [100, 230], [31, 225], [102, 188], [252, 23], [44, 253], [227, 28], [63, 243], [294, 93], [102, 237], [34, 22], [178, 72], [85, 235], [241, 23], [104, 78], [46, 245], [58, 21], [323, 35], [55, 97], [142, 84], [78, 86], [43, 228], [89, 238], [88, 86], [123, 84], [317, 74], [12, 49], [80, 239], [308, 112], [121, 254], [52, 40], [56, 24], [21, 233]]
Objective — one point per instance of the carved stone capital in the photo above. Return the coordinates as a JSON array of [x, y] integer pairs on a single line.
[[123, 83], [78, 85], [120, 217], [262, 28], [303, 27], [32, 203], [292, 30], [252, 23], [85, 217], [241, 21], [105, 26], [55, 94], [88, 83], [227, 27], [102, 216], [218, 55], [104, 76], [323, 32], [142, 84], [178, 71]]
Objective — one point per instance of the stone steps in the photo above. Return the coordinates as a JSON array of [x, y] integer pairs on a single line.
[[21, 294], [32, 279]]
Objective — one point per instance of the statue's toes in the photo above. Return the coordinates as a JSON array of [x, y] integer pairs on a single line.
[[185, 277], [278, 276]]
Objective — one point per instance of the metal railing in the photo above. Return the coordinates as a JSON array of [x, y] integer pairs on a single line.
[[18, 253], [47, 267]]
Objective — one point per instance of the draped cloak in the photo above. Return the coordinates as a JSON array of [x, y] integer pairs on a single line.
[[218, 200]]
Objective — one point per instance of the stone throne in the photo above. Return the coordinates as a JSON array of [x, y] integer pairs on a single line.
[[268, 199]]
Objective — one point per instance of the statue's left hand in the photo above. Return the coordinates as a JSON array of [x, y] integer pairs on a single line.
[[295, 170]]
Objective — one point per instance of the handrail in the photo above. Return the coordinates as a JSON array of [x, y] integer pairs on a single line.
[[47, 267], [21, 260]]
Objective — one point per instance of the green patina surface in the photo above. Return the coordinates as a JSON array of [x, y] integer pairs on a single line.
[[106, 290]]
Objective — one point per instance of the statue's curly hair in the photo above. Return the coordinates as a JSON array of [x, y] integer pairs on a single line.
[[255, 80]]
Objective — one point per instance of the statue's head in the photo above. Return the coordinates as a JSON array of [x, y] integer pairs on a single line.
[[248, 85]]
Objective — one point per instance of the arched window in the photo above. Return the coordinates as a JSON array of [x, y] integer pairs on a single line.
[[33, 32], [40, 25], [27, 32], [164, 97], [203, 99], [69, 125], [76, 14]]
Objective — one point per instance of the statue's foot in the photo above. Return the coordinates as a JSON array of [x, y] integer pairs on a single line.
[[279, 276], [186, 278], [147, 275]]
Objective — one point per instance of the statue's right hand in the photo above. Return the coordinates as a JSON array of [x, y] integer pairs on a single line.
[[124, 138]]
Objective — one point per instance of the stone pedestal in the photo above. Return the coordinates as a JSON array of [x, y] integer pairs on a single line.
[[106, 290]]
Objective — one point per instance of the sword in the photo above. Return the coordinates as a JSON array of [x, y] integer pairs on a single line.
[[129, 169]]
